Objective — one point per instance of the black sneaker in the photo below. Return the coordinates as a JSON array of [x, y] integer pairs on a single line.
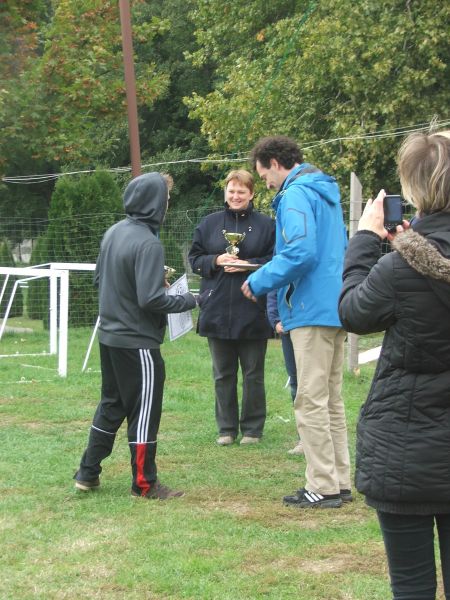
[[85, 486], [305, 499], [346, 495], [159, 491]]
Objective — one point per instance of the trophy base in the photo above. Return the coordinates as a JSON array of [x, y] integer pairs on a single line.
[[246, 266]]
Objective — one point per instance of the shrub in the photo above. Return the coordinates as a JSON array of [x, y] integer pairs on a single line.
[[81, 210], [7, 260], [38, 290]]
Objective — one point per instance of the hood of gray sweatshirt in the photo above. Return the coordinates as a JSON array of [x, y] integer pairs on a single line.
[[146, 199]]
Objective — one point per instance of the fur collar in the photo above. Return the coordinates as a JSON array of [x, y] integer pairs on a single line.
[[422, 256]]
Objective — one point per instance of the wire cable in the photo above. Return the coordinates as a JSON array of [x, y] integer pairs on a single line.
[[230, 158]]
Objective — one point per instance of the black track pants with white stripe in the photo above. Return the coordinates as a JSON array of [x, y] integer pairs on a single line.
[[132, 389]]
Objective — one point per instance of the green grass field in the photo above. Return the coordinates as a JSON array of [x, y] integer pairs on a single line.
[[229, 537]]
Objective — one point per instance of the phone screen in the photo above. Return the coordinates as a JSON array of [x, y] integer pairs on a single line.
[[393, 210]]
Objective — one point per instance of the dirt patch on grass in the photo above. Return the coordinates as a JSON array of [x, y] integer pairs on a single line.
[[16, 420], [4, 401], [8, 420], [333, 559], [266, 513], [273, 514], [347, 558]]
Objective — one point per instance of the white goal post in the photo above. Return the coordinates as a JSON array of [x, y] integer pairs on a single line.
[[58, 335], [58, 305]]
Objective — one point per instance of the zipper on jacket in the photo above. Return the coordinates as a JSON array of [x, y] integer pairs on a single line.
[[230, 309]]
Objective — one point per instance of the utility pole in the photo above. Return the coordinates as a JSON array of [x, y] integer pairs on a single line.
[[130, 85]]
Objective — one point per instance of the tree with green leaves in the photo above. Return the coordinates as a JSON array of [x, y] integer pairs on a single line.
[[322, 71], [68, 110], [21, 44]]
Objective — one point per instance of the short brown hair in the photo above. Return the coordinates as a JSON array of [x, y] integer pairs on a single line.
[[243, 176], [168, 179], [424, 171], [283, 149]]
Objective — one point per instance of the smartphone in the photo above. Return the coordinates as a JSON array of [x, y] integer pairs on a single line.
[[393, 212]]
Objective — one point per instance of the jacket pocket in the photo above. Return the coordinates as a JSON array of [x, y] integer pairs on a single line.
[[288, 295], [204, 298]]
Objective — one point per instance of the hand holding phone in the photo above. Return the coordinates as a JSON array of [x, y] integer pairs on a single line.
[[393, 212]]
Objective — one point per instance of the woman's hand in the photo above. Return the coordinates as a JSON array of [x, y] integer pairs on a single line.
[[403, 227], [372, 218], [225, 258], [241, 266]]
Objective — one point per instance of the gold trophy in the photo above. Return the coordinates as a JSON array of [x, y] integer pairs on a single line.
[[169, 272], [234, 238]]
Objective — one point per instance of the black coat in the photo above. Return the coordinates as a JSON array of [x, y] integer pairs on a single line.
[[225, 313], [403, 434]]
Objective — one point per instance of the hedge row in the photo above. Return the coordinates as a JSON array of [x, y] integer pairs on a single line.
[[7, 260]]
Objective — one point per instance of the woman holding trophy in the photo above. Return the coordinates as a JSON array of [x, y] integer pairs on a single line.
[[226, 245]]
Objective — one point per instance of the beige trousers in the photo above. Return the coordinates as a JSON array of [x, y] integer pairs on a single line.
[[319, 407]]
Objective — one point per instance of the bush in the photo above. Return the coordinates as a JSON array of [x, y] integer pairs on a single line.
[[7, 260], [38, 290], [81, 210]]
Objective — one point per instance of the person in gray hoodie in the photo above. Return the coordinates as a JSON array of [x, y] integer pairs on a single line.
[[133, 305]]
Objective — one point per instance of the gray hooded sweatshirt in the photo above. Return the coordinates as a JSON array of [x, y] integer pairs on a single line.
[[130, 271]]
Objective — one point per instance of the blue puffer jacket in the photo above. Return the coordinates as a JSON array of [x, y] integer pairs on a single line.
[[310, 244]]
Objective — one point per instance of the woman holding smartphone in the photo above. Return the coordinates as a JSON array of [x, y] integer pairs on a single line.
[[403, 434]]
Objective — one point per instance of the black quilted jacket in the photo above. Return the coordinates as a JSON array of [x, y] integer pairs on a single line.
[[403, 434], [225, 312]]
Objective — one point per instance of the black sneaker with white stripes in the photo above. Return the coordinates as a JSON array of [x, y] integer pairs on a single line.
[[305, 499]]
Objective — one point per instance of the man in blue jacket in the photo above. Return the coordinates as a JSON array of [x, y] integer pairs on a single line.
[[307, 272]]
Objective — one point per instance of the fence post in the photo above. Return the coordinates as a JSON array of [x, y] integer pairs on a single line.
[[355, 214]]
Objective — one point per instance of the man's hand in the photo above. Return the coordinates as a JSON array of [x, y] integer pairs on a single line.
[[246, 290], [279, 328]]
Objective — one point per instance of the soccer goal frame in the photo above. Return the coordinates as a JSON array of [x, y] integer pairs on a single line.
[[59, 307]]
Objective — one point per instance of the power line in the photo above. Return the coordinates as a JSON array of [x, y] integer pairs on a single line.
[[235, 157]]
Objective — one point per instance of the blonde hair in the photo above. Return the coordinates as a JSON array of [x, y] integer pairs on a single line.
[[424, 171], [243, 176]]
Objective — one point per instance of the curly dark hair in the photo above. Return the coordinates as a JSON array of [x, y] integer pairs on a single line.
[[280, 147]]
